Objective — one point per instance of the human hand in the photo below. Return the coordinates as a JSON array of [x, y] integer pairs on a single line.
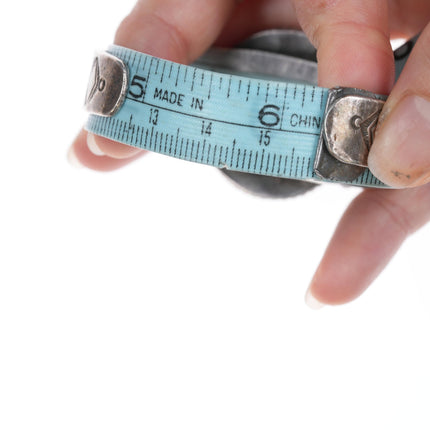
[[353, 41]]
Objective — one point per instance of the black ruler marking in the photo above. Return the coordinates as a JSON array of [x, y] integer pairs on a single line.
[[267, 162], [283, 107], [243, 159], [209, 152], [292, 161], [161, 141], [220, 155], [210, 86], [273, 164], [203, 150], [262, 159], [156, 139], [186, 148], [177, 74], [144, 64], [115, 133], [214, 156], [134, 59], [181, 147], [165, 143], [123, 125], [176, 142], [132, 129], [162, 73], [137, 136], [192, 149], [198, 149], [193, 80], [171, 144], [256, 160], [150, 139], [322, 98], [123, 130], [285, 165]]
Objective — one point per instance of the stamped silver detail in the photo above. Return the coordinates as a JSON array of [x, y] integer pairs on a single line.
[[350, 123], [107, 86], [348, 132]]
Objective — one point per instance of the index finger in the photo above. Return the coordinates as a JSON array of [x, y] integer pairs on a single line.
[[353, 42]]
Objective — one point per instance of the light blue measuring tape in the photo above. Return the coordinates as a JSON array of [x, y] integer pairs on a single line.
[[241, 123]]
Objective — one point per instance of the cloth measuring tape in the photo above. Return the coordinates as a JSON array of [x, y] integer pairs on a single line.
[[237, 122]]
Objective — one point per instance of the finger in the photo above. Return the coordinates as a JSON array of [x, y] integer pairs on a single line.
[[352, 40], [408, 17], [400, 155], [252, 16], [176, 30], [368, 235], [80, 155]]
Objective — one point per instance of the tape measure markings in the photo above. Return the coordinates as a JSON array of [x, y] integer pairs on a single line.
[[254, 161], [217, 119]]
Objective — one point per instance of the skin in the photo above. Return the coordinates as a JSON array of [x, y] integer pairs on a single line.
[[346, 33]]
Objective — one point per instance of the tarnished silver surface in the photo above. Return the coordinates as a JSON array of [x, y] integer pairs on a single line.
[[348, 131], [107, 85], [328, 167], [287, 42], [259, 63], [350, 124]]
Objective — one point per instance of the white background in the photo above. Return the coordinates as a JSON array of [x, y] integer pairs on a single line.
[[161, 296]]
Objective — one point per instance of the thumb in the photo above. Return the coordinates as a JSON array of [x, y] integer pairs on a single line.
[[400, 155]]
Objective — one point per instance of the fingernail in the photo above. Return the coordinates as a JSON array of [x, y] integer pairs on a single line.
[[400, 156], [92, 145], [312, 302], [73, 159]]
